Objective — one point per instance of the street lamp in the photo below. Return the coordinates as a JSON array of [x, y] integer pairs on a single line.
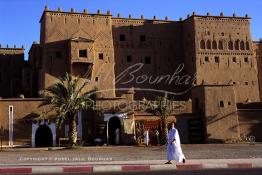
[[2, 135]]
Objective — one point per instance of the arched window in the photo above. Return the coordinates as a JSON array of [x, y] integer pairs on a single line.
[[230, 45], [242, 45], [214, 45], [220, 45], [247, 45], [202, 44], [208, 44], [237, 45]]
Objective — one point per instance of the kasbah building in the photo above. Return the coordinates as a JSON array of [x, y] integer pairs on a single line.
[[209, 65]]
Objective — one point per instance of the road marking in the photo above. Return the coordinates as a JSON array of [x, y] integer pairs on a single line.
[[214, 166], [47, 169], [239, 165], [78, 169], [15, 170], [107, 168], [136, 168], [189, 166], [163, 167]]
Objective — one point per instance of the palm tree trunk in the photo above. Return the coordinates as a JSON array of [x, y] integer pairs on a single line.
[[72, 131], [164, 130]]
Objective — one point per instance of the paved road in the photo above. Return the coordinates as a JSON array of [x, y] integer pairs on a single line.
[[124, 153], [196, 172]]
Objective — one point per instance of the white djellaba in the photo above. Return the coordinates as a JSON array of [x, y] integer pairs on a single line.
[[174, 150], [146, 137], [117, 136]]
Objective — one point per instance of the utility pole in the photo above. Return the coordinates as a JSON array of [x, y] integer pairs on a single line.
[[1, 135]]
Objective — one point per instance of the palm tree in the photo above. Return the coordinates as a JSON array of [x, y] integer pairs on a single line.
[[162, 108], [66, 98]]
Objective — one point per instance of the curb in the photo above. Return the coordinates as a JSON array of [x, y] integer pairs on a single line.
[[119, 168]]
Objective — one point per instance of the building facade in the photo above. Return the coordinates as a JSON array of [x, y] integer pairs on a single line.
[[207, 64]]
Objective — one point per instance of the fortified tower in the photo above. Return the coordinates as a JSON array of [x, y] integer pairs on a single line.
[[79, 43], [222, 53], [257, 48], [11, 72]]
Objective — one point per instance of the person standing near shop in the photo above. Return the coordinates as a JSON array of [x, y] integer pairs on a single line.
[[146, 137]]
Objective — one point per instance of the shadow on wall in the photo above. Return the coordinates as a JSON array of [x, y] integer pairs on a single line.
[[21, 134], [213, 140], [250, 120], [223, 119], [57, 58], [163, 39]]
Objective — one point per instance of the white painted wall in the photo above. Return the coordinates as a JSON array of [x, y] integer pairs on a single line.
[[52, 126], [10, 124]]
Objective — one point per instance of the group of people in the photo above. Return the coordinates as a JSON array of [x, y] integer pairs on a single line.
[[146, 137], [174, 150]]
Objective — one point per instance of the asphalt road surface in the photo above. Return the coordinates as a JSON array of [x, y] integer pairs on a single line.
[[195, 172]]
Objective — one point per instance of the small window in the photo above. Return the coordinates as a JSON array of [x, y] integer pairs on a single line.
[[242, 45], [129, 58], [247, 45], [206, 59], [221, 104], [237, 45], [246, 59], [83, 53], [234, 59], [122, 37], [217, 59], [101, 56], [214, 45], [96, 79], [10, 109], [202, 44], [147, 60], [230, 45], [142, 38], [220, 45], [208, 44], [58, 54], [229, 103], [246, 83]]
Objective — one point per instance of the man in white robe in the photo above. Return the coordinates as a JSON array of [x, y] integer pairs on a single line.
[[117, 136], [174, 150], [146, 137]]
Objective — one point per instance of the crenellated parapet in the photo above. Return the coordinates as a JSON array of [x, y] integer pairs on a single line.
[[220, 17], [7, 47], [154, 18]]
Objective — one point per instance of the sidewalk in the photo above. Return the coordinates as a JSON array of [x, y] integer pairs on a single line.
[[128, 158], [119, 166]]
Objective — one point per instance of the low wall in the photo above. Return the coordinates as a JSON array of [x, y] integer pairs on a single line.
[[250, 122]]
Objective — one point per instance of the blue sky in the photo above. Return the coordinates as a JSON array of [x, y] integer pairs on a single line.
[[19, 19]]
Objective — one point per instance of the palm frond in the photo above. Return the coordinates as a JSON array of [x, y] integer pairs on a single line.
[[66, 97]]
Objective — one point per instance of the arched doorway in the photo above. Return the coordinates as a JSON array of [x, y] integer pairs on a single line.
[[114, 124], [43, 136]]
